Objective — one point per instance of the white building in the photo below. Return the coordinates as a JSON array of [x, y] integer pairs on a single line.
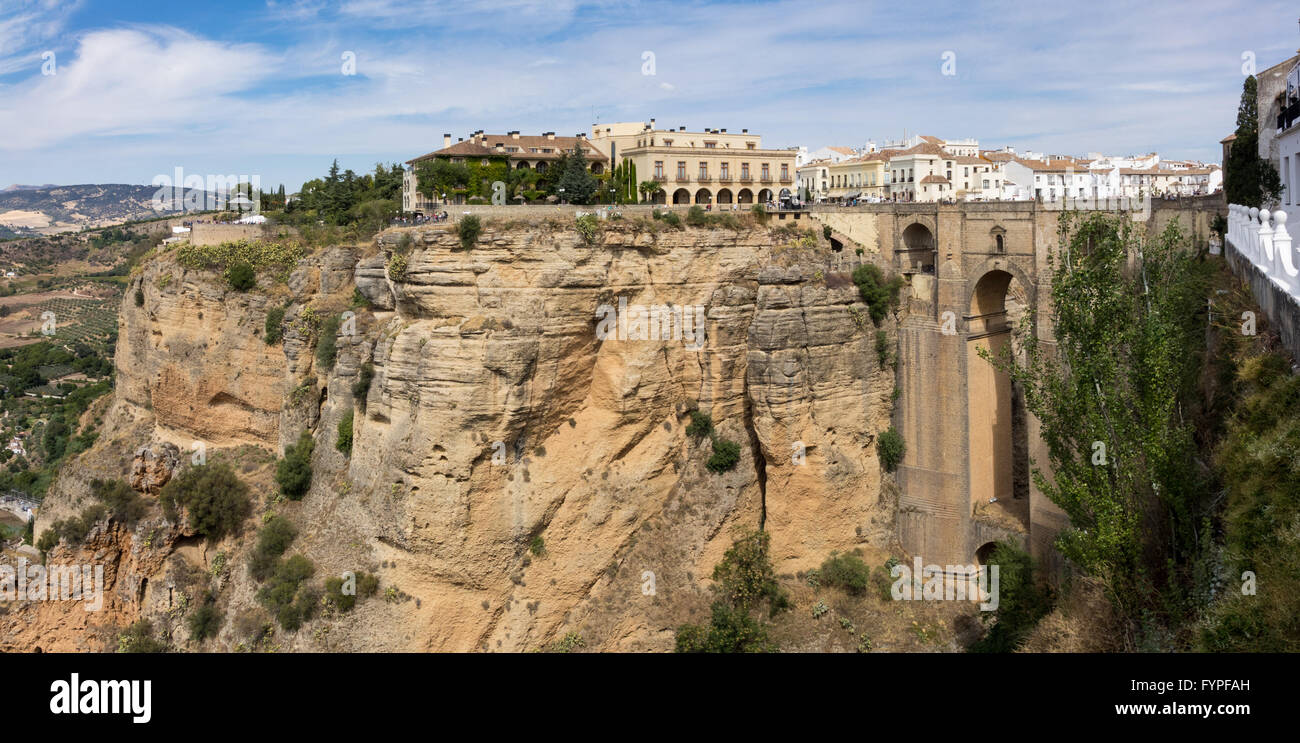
[[1287, 139]]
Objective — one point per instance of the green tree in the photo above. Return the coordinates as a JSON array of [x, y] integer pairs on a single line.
[[293, 471], [578, 184], [1249, 179], [1127, 327]]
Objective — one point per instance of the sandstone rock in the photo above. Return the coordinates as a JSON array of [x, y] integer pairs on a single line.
[[152, 467]]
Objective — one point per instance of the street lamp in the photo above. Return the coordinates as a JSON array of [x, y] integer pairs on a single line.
[[561, 195]]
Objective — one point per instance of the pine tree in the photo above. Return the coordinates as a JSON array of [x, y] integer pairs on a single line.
[[577, 182]]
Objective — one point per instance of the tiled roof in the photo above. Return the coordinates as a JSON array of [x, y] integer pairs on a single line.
[[473, 148], [934, 179]]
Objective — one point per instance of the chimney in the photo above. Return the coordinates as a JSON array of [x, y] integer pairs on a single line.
[[514, 134], [446, 140], [724, 131], [460, 139], [550, 135], [652, 123], [582, 135], [744, 131], [681, 128], [500, 147]]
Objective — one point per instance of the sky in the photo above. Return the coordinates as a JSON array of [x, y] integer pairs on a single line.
[[121, 92]]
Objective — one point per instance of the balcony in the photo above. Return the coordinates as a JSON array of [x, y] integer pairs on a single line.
[[683, 178], [786, 179], [1289, 116], [705, 178], [765, 179], [724, 178], [745, 178]]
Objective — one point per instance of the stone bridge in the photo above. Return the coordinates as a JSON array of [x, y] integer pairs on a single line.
[[974, 269]]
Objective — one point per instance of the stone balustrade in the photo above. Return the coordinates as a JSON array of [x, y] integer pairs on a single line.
[[1262, 238]]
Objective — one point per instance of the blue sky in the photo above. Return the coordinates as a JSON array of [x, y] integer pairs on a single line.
[[257, 88]]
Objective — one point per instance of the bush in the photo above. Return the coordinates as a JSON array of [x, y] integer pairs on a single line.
[[214, 497], [397, 267], [847, 572], [293, 472], [327, 341], [468, 229], [139, 297], [696, 217], [365, 585], [890, 447], [882, 347], [725, 455], [205, 622], [729, 631], [760, 212], [281, 595], [123, 503], [272, 541], [879, 295], [743, 581], [138, 638], [537, 546], [241, 276], [274, 325], [701, 424], [587, 226], [745, 577], [826, 231], [344, 442], [1021, 601], [361, 388], [669, 218]]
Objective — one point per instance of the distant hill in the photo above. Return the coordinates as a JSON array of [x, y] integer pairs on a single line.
[[46, 210]]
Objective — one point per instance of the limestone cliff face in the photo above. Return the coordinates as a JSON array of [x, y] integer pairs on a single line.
[[498, 419]]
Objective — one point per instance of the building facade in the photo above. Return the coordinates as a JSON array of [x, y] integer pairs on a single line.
[[516, 151], [701, 167]]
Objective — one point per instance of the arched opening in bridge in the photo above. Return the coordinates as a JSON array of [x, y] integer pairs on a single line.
[[985, 553], [764, 195], [745, 196], [703, 196], [998, 440], [724, 196], [681, 196], [918, 247]]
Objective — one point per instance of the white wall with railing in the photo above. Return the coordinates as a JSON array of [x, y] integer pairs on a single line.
[[1261, 237]]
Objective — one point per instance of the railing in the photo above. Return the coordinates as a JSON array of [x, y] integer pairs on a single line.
[[1288, 116], [1261, 237]]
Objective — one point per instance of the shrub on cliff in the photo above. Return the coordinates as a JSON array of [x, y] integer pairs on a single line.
[[361, 388], [696, 217], [890, 447], [725, 455], [701, 424], [342, 593], [847, 572], [468, 230], [241, 276], [213, 496], [123, 503], [138, 638], [285, 596], [293, 472], [879, 295], [344, 441], [744, 582], [272, 541], [206, 620], [274, 325], [669, 218], [327, 341]]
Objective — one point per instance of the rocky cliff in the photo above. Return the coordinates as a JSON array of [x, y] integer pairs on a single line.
[[517, 473]]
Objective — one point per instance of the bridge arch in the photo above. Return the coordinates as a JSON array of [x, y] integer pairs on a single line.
[[703, 196], [997, 421], [918, 248], [681, 196]]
